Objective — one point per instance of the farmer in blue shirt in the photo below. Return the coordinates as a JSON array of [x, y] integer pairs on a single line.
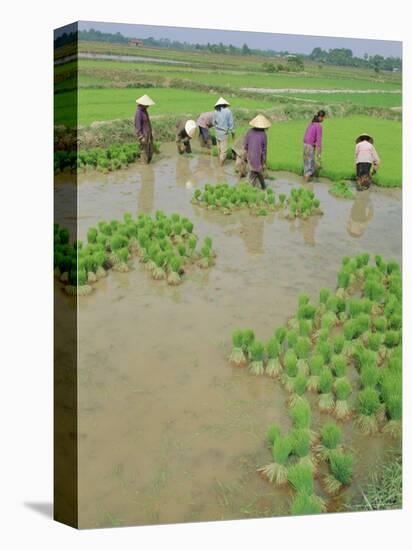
[[223, 123]]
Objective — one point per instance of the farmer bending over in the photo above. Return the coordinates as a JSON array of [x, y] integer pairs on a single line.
[[312, 146], [185, 131], [143, 128], [256, 148], [223, 122], [367, 161], [205, 122]]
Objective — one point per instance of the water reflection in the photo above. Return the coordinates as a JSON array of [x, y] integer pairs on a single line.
[[360, 215], [252, 231], [147, 185]]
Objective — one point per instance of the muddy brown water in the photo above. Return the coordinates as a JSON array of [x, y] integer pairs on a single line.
[[168, 431]]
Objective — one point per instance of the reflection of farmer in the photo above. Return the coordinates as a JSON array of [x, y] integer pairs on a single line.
[[185, 131], [360, 215], [312, 146], [146, 193], [223, 122], [205, 122], [143, 128], [238, 151], [252, 234], [367, 161], [256, 148]]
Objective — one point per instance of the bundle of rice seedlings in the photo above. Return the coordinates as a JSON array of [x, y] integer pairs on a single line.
[[300, 414], [324, 348], [339, 366], [338, 343], [316, 364], [392, 338], [272, 434], [257, 351], [343, 389], [248, 339], [301, 447], [380, 324], [367, 407], [326, 401], [159, 272], [282, 199], [280, 334], [290, 362], [277, 471], [237, 357], [292, 338], [122, 256], [369, 377], [322, 335], [192, 246], [302, 347], [374, 290], [304, 505], [331, 437], [341, 466], [206, 259], [299, 388], [328, 320], [305, 327], [100, 259], [273, 367], [324, 294], [300, 476], [91, 235], [173, 277]]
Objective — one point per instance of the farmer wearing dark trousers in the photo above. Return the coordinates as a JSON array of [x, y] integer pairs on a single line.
[[185, 131], [205, 122], [143, 128], [367, 161], [256, 148]]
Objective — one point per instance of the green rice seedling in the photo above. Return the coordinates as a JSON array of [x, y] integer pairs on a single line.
[[395, 322], [342, 190], [307, 311], [299, 388], [290, 362], [369, 377], [159, 272], [305, 327], [326, 401], [332, 303], [394, 412], [302, 347], [292, 338], [305, 505], [122, 255], [316, 364], [343, 389], [328, 320], [338, 343], [273, 367], [174, 277], [300, 414], [324, 348], [248, 339], [341, 466], [257, 351], [282, 199], [277, 471], [273, 433], [330, 439], [339, 366], [374, 340], [345, 278], [303, 299], [322, 335], [300, 476], [206, 259], [392, 338], [237, 357], [324, 294], [367, 407], [374, 290], [280, 334], [92, 235]]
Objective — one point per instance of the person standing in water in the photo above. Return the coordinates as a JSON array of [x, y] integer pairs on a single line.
[[367, 161], [185, 131], [256, 149], [205, 122], [223, 122], [312, 146], [143, 128]]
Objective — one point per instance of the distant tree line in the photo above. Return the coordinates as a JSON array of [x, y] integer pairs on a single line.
[[334, 56], [345, 57]]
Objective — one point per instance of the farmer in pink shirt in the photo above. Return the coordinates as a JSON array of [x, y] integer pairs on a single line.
[[312, 146], [367, 161]]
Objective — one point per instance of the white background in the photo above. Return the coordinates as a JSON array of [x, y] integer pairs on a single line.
[[26, 281]]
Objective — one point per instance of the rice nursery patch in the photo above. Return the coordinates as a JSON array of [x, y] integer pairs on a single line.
[[346, 348], [301, 202], [103, 159], [342, 189], [165, 245]]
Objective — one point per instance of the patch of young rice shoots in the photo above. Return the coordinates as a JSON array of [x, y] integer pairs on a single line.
[[273, 433], [339, 365], [367, 406], [273, 367], [305, 505], [237, 357], [326, 399], [257, 351], [301, 478], [300, 414], [343, 389]]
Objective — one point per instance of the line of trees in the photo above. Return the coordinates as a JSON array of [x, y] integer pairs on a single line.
[[345, 57]]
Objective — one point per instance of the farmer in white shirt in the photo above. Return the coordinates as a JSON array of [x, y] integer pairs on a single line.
[[367, 161]]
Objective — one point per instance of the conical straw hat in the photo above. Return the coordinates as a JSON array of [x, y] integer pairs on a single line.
[[364, 134], [191, 128], [145, 100], [260, 121], [221, 101]]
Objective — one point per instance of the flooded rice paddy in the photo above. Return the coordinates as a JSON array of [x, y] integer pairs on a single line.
[[168, 430]]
